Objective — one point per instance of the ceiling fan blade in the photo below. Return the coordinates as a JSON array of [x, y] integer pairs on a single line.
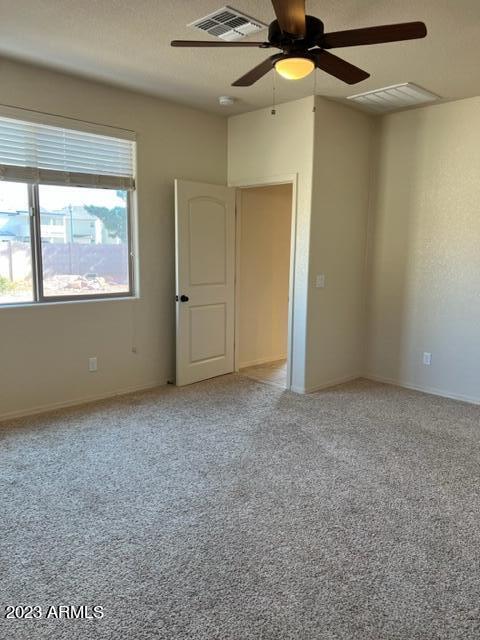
[[291, 16], [337, 67], [209, 43], [374, 35], [257, 72]]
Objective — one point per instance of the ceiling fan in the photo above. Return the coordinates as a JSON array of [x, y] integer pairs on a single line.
[[304, 45]]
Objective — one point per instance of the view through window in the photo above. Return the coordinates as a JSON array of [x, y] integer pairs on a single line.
[[16, 282], [84, 239], [83, 242]]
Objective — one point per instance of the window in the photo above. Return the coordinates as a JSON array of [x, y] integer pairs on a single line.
[[65, 214], [16, 282]]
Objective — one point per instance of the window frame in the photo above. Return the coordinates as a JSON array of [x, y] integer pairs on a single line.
[[36, 257]]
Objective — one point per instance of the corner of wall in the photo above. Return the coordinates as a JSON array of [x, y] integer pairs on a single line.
[[370, 230], [338, 230]]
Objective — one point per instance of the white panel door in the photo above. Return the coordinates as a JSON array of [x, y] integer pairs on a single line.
[[205, 280]]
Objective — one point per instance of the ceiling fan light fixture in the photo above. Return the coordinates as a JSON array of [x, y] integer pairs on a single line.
[[293, 68]]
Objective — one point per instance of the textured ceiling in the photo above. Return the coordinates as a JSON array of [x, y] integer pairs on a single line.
[[127, 43]]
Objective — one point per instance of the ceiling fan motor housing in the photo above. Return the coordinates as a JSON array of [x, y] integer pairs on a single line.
[[314, 30]]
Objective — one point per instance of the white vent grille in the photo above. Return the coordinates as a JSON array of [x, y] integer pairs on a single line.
[[397, 96], [228, 24]]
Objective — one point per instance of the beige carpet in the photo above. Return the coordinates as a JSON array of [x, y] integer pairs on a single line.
[[234, 510]]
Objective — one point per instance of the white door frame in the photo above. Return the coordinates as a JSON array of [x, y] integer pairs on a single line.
[[269, 181]]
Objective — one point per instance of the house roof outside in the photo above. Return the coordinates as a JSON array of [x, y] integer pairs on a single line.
[[16, 224]]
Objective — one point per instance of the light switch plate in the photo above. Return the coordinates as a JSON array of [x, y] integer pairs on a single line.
[[427, 359], [320, 281]]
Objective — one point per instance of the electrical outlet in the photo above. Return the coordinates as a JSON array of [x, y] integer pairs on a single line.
[[92, 364], [427, 358]]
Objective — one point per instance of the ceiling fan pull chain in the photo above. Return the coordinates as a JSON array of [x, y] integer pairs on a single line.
[[314, 90], [273, 111]]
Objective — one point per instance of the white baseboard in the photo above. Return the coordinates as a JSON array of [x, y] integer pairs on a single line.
[[151, 385], [397, 383], [327, 385], [435, 391], [254, 363], [43, 408]]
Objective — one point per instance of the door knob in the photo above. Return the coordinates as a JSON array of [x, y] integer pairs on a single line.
[[184, 298]]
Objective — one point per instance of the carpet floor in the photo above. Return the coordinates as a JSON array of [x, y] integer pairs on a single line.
[[234, 510]]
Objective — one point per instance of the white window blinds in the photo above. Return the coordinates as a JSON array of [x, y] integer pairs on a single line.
[[38, 153]]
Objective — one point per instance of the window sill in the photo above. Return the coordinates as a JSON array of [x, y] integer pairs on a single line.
[[56, 303]]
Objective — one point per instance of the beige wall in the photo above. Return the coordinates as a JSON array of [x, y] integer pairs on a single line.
[[424, 259], [423, 266], [264, 262], [44, 350], [331, 152], [340, 200], [262, 147]]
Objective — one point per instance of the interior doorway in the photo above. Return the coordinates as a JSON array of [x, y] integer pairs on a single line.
[[263, 282]]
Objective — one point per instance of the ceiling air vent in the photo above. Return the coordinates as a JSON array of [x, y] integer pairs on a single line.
[[398, 96], [228, 24]]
